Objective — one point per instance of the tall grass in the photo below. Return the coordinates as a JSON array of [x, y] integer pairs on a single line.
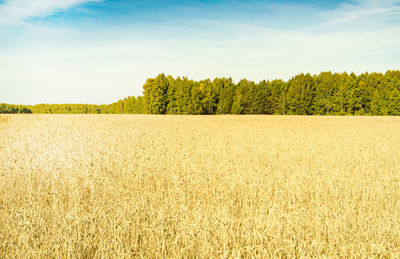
[[83, 186], [3, 118]]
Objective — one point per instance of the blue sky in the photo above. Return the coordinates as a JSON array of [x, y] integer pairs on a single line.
[[79, 51]]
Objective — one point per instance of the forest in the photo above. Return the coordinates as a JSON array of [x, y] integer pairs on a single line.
[[304, 94]]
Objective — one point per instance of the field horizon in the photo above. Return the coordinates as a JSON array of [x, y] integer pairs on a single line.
[[324, 94], [288, 147]]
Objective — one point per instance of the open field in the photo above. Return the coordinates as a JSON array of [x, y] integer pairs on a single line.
[[199, 186]]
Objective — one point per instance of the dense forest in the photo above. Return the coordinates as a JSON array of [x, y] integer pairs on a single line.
[[10, 108], [324, 94]]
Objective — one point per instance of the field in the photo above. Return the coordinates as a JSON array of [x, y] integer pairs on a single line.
[[83, 186]]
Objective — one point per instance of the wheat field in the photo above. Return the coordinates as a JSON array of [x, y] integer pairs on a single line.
[[122, 186]]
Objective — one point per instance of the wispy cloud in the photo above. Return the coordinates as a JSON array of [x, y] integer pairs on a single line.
[[98, 61], [15, 11], [359, 9]]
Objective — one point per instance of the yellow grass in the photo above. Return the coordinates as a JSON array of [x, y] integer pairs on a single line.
[[83, 186], [3, 118]]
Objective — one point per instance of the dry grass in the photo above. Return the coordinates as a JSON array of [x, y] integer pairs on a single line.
[[3, 118], [82, 186]]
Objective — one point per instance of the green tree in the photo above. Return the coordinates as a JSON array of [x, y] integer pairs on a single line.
[[155, 94], [301, 94]]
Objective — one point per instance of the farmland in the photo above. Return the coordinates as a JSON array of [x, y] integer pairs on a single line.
[[83, 186]]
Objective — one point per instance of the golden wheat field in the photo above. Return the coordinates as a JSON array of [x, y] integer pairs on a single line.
[[121, 186]]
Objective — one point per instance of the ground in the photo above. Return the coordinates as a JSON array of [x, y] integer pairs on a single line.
[[199, 186]]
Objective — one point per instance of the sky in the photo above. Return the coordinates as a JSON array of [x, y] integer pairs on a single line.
[[99, 51]]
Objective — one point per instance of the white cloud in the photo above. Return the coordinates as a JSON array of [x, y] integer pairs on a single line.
[[101, 65], [360, 9], [15, 11], [113, 69]]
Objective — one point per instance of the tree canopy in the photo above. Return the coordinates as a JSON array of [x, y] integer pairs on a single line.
[[304, 94]]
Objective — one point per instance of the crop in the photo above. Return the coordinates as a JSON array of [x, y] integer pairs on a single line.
[[3, 119], [83, 186]]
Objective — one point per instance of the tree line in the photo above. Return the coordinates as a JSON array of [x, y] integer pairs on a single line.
[[324, 94], [10, 108]]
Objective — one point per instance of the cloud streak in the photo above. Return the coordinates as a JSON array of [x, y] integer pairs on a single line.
[[99, 62], [16, 11], [360, 9]]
